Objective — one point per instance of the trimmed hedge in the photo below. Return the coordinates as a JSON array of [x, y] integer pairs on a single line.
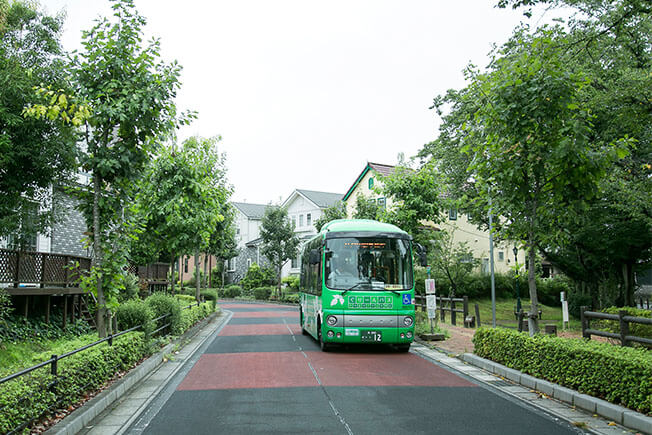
[[232, 291], [192, 315], [28, 397], [638, 330], [620, 375], [210, 295], [262, 293]]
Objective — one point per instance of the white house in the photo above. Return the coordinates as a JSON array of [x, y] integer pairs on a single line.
[[304, 208]]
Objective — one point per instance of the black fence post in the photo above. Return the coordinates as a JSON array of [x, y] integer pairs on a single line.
[[585, 323], [477, 315], [110, 339], [441, 310], [466, 306], [519, 319], [53, 367], [453, 312], [624, 327]]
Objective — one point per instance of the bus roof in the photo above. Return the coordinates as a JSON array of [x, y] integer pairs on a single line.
[[361, 226]]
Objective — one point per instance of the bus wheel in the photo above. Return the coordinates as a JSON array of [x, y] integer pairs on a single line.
[[301, 320], [325, 347], [403, 347]]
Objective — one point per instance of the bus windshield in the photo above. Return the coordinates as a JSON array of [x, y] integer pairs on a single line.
[[368, 263]]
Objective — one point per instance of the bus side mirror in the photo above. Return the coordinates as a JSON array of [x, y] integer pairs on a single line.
[[314, 256], [421, 252]]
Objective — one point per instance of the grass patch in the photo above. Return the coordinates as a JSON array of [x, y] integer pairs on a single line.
[[422, 325]]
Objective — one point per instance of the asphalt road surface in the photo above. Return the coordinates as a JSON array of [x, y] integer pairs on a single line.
[[259, 374]]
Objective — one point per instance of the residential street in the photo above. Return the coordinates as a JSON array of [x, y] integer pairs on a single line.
[[259, 374]]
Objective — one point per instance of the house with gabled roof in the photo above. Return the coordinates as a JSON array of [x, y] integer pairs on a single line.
[[454, 222], [304, 208], [248, 220]]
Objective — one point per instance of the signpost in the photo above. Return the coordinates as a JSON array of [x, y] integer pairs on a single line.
[[431, 302], [564, 309]]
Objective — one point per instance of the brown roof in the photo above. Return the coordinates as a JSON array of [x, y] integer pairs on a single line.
[[379, 168]]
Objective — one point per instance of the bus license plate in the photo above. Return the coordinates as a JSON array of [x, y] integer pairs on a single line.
[[374, 336]]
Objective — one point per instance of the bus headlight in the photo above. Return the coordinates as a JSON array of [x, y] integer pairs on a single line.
[[331, 320], [408, 321]]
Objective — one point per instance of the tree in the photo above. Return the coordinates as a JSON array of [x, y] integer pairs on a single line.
[[185, 197], [131, 94], [609, 43], [337, 211], [417, 200], [366, 208], [280, 243], [454, 262], [222, 243], [532, 155], [35, 152]]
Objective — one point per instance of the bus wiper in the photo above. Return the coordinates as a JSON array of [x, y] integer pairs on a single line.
[[354, 286]]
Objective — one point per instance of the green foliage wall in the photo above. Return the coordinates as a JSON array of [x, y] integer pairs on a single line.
[[619, 375]]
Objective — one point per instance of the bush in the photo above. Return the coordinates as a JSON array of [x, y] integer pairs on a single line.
[[162, 304], [576, 300], [78, 374], [135, 313], [292, 298], [257, 277], [292, 282], [5, 305], [210, 295], [548, 290], [19, 328], [186, 299], [232, 291], [262, 293], [132, 288], [192, 315], [619, 375]]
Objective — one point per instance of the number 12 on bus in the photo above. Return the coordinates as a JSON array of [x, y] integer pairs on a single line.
[[357, 285]]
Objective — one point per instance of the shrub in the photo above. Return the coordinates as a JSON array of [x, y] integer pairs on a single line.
[[78, 374], [19, 328], [135, 313], [292, 298], [162, 304], [132, 287], [192, 315], [576, 300], [5, 305], [257, 277], [232, 291], [292, 282], [620, 375], [210, 295], [262, 293]]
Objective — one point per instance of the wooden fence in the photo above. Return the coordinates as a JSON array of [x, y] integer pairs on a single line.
[[35, 273], [623, 319], [449, 305]]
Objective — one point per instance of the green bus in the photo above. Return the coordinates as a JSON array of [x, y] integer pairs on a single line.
[[357, 285]]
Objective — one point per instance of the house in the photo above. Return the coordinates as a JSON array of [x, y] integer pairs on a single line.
[[455, 222], [248, 220], [304, 208]]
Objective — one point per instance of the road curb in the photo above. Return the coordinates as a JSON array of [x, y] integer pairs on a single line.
[[594, 405], [82, 416]]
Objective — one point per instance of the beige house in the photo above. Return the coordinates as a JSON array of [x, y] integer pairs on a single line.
[[456, 223]]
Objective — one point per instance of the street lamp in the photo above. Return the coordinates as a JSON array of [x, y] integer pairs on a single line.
[[518, 293]]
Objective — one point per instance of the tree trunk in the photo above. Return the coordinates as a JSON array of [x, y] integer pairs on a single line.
[[278, 280], [628, 281], [205, 272], [533, 319], [197, 274], [97, 258], [173, 263]]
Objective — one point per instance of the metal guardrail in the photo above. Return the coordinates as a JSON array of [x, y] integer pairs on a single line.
[[623, 319], [53, 362]]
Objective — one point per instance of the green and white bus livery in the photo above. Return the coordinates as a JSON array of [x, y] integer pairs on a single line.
[[357, 285]]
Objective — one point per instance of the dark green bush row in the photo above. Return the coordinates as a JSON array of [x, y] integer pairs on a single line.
[[478, 285], [19, 328], [135, 313], [232, 291], [192, 315], [619, 375], [29, 396], [262, 293]]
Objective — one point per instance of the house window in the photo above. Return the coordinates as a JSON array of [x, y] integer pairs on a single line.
[[295, 263], [185, 265], [300, 220], [231, 265], [381, 202], [371, 183], [308, 219], [248, 263], [452, 214], [237, 231], [501, 256], [294, 221]]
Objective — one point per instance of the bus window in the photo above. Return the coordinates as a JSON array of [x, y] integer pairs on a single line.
[[368, 263]]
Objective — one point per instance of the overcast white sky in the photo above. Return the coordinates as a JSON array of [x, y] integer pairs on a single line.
[[304, 92]]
